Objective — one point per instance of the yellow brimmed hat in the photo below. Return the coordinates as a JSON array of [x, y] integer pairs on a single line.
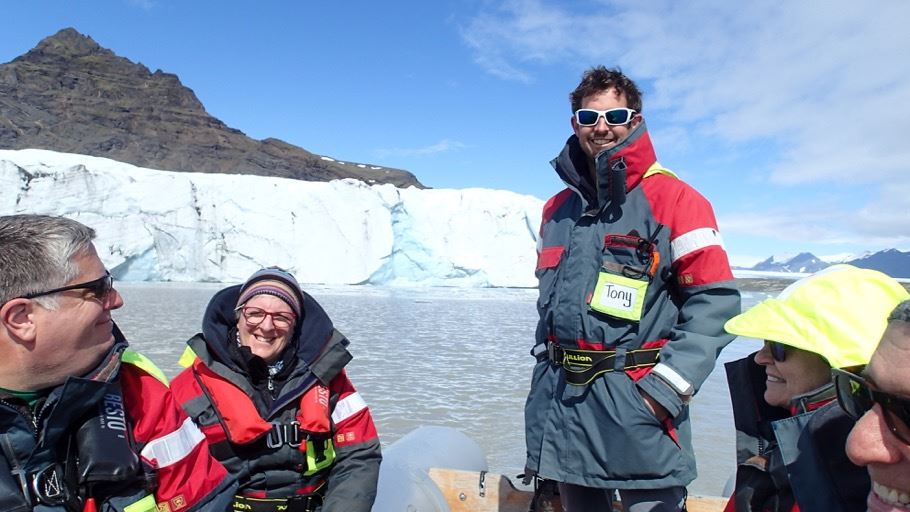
[[839, 313]]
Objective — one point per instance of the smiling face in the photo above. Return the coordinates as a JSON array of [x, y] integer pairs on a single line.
[[266, 339], [601, 136], [871, 442], [799, 373], [72, 339]]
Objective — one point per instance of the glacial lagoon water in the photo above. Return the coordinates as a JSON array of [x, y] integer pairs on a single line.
[[436, 356]]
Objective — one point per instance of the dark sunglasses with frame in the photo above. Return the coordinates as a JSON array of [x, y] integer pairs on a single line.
[[857, 396], [778, 350], [99, 288]]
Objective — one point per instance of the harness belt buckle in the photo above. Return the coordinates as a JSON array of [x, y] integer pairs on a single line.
[[555, 353], [284, 433], [47, 486], [276, 436], [305, 503], [294, 435]]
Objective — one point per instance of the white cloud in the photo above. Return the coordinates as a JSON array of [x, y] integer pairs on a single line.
[[518, 30], [882, 223], [888, 216], [818, 226], [442, 146]]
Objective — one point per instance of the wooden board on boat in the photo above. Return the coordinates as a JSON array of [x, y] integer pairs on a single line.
[[465, 491]]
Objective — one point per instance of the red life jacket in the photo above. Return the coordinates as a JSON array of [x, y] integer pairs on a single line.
[[241, 423]]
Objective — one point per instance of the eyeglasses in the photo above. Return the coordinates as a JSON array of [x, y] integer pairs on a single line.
[[778, 350], [613, 117], [255, 316], [856, 398], [99, 288]]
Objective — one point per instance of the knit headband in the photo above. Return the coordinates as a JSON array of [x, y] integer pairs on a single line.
[[275, 282]]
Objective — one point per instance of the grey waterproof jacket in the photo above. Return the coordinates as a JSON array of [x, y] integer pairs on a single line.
[[641, 223]]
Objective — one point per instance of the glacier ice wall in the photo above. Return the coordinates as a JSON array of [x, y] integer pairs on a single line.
[[173, 226]]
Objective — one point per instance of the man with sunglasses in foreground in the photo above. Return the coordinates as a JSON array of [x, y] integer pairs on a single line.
[[635, 287], [790, 433], [879, 399], [85, 424]]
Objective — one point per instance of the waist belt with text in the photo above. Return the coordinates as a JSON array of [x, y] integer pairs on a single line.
[[583, 366], [307, 503]]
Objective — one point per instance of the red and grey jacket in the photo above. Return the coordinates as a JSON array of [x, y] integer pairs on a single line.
[[317, 435], [633, 261], [114, 440]]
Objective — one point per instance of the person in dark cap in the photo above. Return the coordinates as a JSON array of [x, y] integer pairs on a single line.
[[265, 382]]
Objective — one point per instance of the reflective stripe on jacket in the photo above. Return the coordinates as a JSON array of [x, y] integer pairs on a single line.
[[603, 435]]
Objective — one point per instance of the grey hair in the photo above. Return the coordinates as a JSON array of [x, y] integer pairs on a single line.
[[36, 254], [901, 313]]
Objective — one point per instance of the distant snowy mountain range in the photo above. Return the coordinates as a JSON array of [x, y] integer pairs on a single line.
[[890, 261]]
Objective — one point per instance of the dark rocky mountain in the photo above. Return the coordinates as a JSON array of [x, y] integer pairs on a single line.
[[890, 261], [71, 95]]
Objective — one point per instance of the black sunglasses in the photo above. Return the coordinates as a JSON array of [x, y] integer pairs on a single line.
[[856, 397], [98, 287], [613, 117], [778, 350]]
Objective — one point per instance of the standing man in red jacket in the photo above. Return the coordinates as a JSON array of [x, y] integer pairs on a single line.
[[635, 287], [85, 424]]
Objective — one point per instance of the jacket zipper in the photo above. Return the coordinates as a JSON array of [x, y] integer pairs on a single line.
[[33, 417]]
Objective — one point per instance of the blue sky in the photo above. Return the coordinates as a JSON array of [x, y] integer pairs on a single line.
[[791, 117]]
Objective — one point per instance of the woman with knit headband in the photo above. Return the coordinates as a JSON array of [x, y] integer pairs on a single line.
[[265, 382]]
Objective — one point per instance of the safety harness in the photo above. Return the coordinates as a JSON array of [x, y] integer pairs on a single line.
[[227, 416], [235, 419], [583, 366]]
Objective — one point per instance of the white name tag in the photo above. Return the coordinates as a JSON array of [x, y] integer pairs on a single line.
[[619, 296]]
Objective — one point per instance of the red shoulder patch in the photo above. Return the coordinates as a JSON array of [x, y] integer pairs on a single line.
[[553, 204]]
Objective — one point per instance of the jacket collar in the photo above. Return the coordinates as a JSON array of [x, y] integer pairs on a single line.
[[813, 399], [619, 169]]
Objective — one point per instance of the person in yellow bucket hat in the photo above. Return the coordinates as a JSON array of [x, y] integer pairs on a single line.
[[790, 432]]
